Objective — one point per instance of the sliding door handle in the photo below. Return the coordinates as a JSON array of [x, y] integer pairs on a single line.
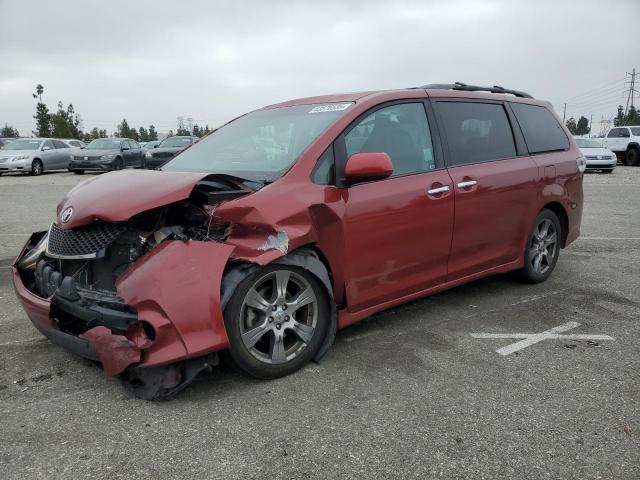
[[467, 184]]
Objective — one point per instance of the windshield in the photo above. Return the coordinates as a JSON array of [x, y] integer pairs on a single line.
[[635, 130], [175, 142], [22, 145], [103, 144], [261, 145], [587, 143]]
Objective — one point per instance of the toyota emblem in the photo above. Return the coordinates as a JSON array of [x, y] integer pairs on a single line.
[[66, 215]]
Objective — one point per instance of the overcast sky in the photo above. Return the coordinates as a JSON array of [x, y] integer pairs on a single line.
[[152, 61]]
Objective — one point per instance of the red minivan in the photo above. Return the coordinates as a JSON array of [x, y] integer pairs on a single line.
[[262, 240]]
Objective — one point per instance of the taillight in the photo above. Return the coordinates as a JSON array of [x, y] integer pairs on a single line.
[[582, 163]]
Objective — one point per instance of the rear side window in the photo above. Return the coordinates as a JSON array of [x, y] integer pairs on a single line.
[[476, 132], [541, 130]]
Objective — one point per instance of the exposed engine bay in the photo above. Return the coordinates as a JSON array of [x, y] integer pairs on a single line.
[[77, 269]]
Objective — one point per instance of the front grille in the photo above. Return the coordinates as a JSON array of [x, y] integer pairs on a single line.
[[88, 159], [592, 157], [4, 159], [163, 155], [82, 242]]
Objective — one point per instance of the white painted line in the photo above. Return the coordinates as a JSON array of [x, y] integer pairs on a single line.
[[608, 238], [528, 339], [14, 234]]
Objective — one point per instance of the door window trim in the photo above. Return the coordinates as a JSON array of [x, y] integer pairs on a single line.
[[518, 138]]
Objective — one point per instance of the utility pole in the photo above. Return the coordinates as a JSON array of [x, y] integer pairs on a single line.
[[564, 113], [590, 123], [632, 91]]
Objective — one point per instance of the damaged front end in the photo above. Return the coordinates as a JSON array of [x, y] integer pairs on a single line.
[[141, 296]]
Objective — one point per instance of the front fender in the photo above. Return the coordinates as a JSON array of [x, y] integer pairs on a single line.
[[176, 288]]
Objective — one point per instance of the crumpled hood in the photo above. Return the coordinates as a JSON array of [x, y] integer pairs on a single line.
[[117, 196]]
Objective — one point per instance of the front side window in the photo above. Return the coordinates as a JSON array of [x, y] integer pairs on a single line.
[[635, 131], [614, 133], [47, 144], [401, 131], [260, 145], [541, 130], [476, 132], [59, 144]]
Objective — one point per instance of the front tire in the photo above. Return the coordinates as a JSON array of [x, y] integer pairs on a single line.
[[542, 248], [632, 157], [276, 320], [118, 164], [78, 172], [36, 168]]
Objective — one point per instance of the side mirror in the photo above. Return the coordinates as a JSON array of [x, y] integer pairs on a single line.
[[124, 148], [46, 148], [368, 166]]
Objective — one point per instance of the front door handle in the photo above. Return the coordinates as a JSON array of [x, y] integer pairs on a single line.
[[435, 191], [467, 184]]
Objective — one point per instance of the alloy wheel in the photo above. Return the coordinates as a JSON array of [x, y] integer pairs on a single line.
[[278, 317], [542, 248]]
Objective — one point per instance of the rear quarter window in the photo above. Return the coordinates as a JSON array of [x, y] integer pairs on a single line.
[[541, 130]]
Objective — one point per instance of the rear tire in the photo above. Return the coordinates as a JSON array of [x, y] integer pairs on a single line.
[[36, 168], [542, 248], [270, 334], [78, 172], [632, 157]]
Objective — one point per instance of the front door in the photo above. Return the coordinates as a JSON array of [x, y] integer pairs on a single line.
[[397, 231]]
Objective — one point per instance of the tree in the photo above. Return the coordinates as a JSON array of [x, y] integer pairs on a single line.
[[170, 134], [43, 121], [619, 120], [583, 127], [93, 134], [571, 126], [65, 123], [42, 116], [182, 131], [153, 135], [143, 135], [124, 130], [9, 131]]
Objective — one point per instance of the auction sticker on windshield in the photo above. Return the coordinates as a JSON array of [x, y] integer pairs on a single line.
[[332, 107]]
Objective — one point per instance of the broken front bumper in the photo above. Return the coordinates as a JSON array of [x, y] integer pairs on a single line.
[[174, 288]]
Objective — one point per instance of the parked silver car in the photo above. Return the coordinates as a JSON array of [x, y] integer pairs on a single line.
[[34, 155]]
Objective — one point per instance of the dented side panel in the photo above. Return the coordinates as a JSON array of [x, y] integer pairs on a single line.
[[180, 281]]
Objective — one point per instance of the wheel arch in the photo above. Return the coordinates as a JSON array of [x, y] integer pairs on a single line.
[[309, 257], [561, 213], [633, 145]]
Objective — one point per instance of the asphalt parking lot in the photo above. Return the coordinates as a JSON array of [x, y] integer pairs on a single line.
[[409, 392]]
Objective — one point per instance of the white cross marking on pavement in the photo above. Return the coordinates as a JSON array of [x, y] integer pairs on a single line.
[[528, 339]]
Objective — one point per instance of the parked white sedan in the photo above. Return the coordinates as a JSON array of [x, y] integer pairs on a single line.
[[597, 156]]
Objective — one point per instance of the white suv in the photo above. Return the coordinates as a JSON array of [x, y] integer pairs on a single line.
[[625, 142]]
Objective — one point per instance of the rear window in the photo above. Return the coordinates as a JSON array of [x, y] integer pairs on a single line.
[[541, 130], [476, 132]]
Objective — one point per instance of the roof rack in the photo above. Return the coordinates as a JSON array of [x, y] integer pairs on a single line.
[[475, 88]]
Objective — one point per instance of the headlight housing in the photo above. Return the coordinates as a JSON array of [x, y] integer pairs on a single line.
[[107, 157], [582, 163], [19, 157]]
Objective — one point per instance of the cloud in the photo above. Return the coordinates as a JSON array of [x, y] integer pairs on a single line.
[[151, 61]]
